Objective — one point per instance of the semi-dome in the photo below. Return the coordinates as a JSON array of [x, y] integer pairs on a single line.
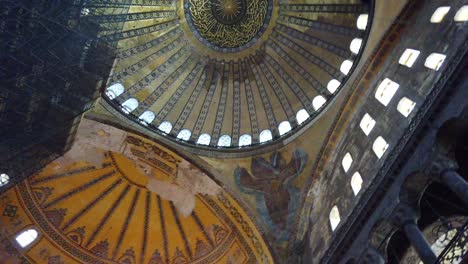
[[132, 202], [213, 71]]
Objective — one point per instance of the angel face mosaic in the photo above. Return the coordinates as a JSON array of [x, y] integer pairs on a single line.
[[228, 25]]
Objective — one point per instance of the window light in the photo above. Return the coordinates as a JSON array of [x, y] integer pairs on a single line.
[[356, 182], [224, 141], [318, 102], [333, 85], [355, 45], [4, 179], [367, 124], [439, 14], [165, 127], [334, 217], [347, 161], [85, 11], [26, 237], [462, 14], [115, 90], [204, 139], [361, 21], [184, 134], [265, 136], [386, 91], [284, 127], [130, 105], [302, 116], [380, 146], [147, 117], [408, 57], [405, 106], [346, 66], [434, 61], [245, 140]]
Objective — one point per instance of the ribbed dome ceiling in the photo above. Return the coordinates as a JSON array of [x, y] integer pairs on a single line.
[[230, 73]]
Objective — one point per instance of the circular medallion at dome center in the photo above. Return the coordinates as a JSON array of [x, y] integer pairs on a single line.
[[229, 12], [228, 25]]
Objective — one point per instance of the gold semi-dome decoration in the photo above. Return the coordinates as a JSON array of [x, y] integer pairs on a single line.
[[137, 203], [229, 74]]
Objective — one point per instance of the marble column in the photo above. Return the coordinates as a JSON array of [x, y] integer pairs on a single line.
[[416, 237], [455, 183], [405, 217], [444, 169]]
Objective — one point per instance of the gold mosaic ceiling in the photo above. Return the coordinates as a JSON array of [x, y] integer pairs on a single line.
[[113, 211], [230, 73]]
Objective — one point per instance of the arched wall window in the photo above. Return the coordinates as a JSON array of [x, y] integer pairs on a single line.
[[245, 140], [165, 127], [439, 14], [4, 179], [347, 161], [462, 14], [380, 146], [184, 134], [355, 45], [129, 105], [361, 21], [346, 66], [265, 136], [386, 90], [367, 124], [434, 61], [356, 183], [405, 106], [409, 57], [302, 116], [318, 102], [204, 139], [334, 217], [333, 85], [85, 11], [224, 141], [25, 238], [147, 117], [115, 90], [284, 127]]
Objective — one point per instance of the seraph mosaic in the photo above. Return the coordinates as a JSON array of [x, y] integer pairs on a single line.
[[270, 181]]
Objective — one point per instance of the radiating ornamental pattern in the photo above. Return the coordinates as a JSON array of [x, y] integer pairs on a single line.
[[220, 69], [110, 214]]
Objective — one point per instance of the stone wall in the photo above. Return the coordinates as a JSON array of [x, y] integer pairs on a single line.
[[419, 83]]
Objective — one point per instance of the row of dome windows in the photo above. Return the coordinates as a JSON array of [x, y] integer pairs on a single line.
[[384, 94], [244, 140], [224, 141], [148, 116]]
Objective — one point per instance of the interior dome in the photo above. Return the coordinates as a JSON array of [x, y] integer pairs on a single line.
[[219, 74]]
